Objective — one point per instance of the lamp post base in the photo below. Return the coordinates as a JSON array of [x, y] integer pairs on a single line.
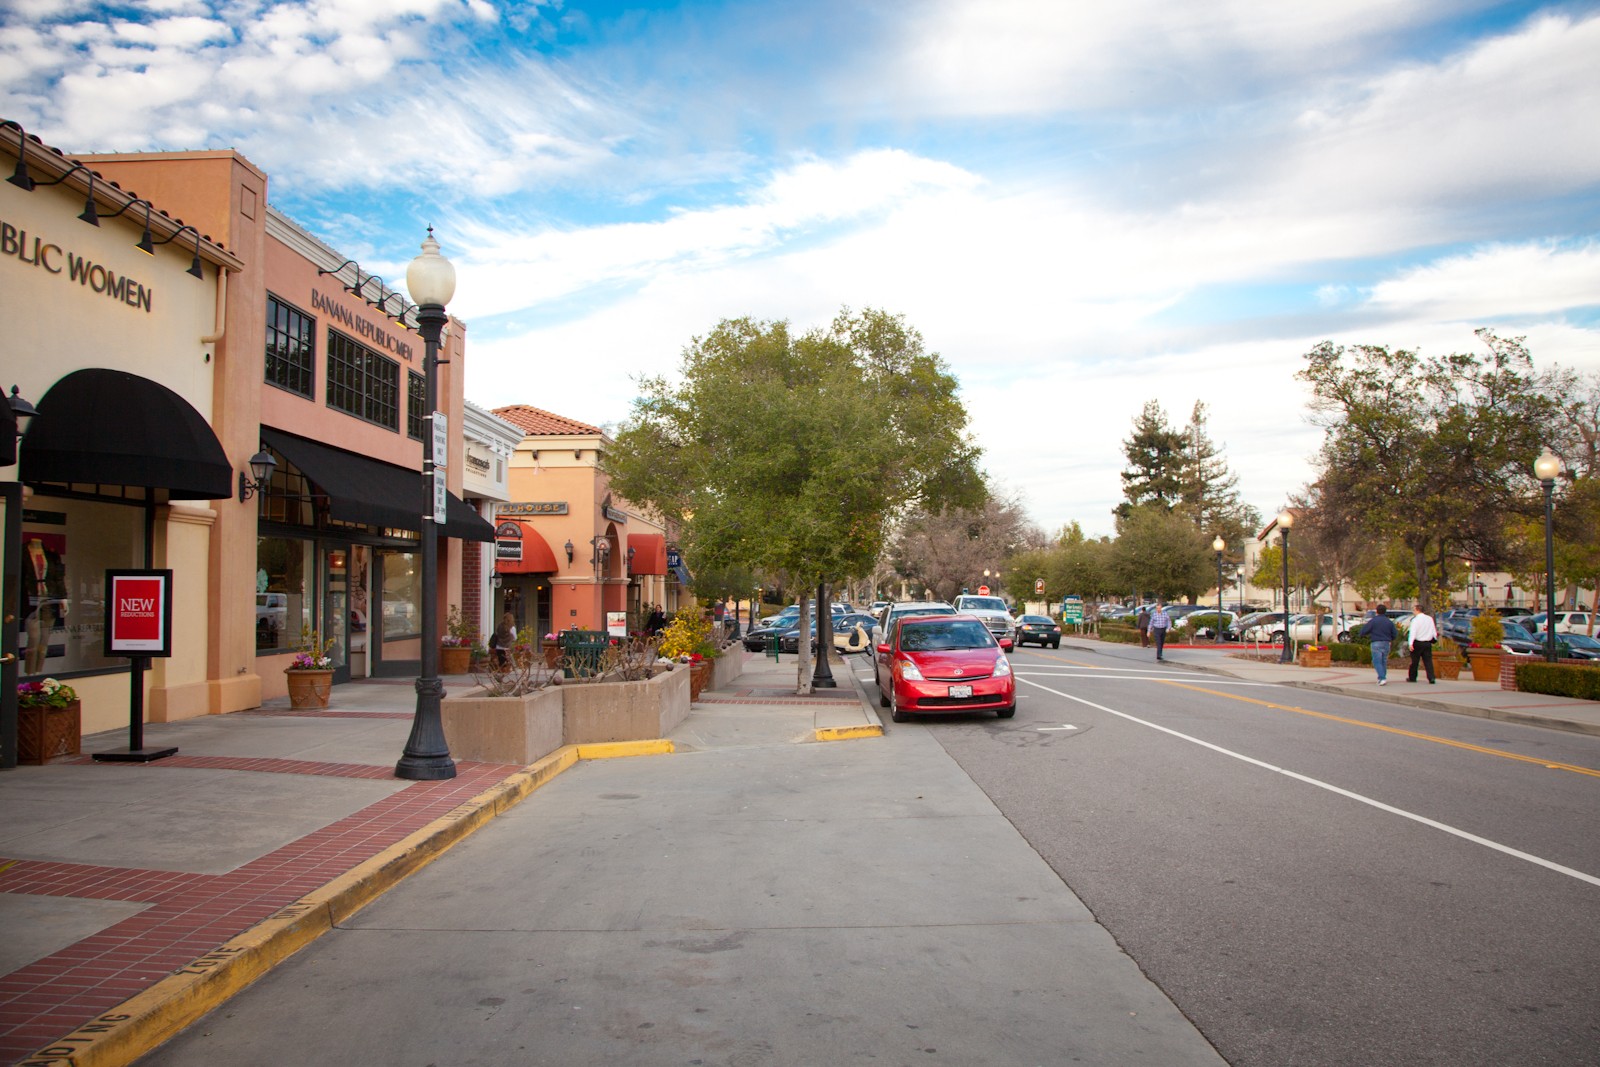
[[426, 757]]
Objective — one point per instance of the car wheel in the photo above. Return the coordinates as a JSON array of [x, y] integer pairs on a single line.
[[1056, 643], [1277, 637], [883, 698], [1344, 635], [896, 714], [1006, 713]]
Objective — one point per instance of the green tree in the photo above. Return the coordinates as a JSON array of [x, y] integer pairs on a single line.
[[1155, 454], [790, 455], [1208, 490], [1433, 453], [1162, 553]]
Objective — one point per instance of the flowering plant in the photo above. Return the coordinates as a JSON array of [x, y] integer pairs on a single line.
[[459, 632], [46, 694], [312, 655]]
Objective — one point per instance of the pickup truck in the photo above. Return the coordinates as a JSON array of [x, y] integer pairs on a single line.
[[991, 610]]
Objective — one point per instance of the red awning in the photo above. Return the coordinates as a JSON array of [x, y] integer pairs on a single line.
[[649, 553], [536, 555]]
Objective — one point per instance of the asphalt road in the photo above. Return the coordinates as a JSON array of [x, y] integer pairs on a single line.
[[1312, 879]]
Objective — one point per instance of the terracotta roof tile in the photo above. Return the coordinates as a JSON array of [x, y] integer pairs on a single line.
[[540, 422]]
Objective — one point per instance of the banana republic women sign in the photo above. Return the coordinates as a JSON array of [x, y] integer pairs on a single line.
[[35, 251]]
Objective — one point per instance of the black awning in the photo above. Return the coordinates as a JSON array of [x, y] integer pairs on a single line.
[[461, 521], [369, 491], [110, 427]]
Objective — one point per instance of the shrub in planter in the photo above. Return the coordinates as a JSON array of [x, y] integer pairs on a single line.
[[1559, 679]]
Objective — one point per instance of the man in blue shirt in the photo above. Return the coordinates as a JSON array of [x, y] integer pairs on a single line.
[[1382, 630], [1160, 622]]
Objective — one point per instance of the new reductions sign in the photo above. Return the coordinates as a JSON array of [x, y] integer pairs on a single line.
[[139, 613]]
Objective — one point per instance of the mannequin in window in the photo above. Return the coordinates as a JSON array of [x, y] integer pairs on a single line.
[[45, 578]]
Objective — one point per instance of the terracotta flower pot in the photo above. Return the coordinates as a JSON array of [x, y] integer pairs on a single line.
[[1316, 657], [699, 675], [455, 659], [1485, 663], [45, 733], [1447, 667], [309, 689]]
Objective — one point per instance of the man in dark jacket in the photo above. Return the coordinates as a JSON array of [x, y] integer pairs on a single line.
[[1382, 630]]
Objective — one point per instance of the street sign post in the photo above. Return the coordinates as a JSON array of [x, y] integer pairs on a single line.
[[1072, 610]]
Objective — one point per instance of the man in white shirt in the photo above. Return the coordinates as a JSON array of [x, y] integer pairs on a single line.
[[1420, 638]]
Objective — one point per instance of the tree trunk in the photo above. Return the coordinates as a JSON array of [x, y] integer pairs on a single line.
[[802, 684], [1419, 555]]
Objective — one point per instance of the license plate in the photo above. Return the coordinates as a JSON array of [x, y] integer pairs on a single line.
[[961, 690]]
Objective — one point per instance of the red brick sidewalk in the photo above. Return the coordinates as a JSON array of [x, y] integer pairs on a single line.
[[190, 915]]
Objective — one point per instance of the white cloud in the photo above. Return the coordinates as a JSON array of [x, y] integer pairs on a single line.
[[1506, 281]]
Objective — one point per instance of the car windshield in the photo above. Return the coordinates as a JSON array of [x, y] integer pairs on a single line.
[[938, 635], [1036, 619], [1579, 640], [982, 603], [1517, 632]]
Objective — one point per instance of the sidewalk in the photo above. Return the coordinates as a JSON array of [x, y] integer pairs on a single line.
[[1485, 700], [135, 897]]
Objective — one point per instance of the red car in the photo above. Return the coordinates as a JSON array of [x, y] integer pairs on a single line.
[[940, 664]]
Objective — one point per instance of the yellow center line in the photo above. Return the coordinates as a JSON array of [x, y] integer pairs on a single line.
[[1575, 769]]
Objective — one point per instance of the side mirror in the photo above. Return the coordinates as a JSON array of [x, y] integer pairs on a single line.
[[1005, 644], [883, 650]]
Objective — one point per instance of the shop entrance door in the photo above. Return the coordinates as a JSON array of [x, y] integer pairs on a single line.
[[336, 607]]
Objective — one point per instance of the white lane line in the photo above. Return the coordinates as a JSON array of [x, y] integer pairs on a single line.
[[1380, 805], [1054, 729], [1099, 675]]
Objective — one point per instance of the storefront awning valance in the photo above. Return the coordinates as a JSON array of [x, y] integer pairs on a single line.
[[649, 553], [532, 549], [109, 427], [369, 491]]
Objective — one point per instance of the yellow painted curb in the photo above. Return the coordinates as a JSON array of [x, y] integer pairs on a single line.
[[846, 733], [145, 1020], [616, 749]]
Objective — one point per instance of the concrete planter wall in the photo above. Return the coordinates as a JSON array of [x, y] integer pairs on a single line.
[[727, 667], [517, 730], [596, 712]]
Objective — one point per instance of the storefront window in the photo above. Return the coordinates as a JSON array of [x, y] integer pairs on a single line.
[[402, 595], [67, 546], [284, 594]]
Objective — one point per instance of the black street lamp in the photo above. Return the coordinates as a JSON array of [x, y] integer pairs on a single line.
[[1218, 545], [1285, 520], [1546, 468], [431, 281]]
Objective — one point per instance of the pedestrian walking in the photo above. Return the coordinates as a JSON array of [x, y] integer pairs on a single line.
[[1420, 638], [1381, 629], [502, 640], [1160, 622], [1143, 622]]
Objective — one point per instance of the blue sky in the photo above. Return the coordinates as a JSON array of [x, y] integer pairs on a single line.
[[1080, 209]]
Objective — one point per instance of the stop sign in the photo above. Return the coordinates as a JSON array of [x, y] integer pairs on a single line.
[[983, 590]]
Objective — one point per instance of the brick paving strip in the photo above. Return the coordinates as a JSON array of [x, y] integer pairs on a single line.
[[64, 1002]]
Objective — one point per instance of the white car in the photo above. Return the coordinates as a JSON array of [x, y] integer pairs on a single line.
[[1305, 630]]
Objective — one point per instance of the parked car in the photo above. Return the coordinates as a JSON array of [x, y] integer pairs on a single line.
[[1203, 624], [758, 639], [1567, 622], [887, 617], [943, 664], [991, 610], [1518, 641], [1040, 628], [1304, 628], [1575, 646]]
